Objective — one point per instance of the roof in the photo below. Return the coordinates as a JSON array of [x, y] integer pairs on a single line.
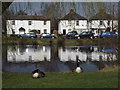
[[72, 15], [27, 17], [102, 15]]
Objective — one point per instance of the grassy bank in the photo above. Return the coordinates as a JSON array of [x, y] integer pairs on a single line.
[[100, 79], [60, 41]]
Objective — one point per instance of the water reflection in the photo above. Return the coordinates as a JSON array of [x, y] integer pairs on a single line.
[[25, 58]]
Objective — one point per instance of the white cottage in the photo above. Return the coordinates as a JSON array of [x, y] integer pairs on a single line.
[[24, 24], [103, 22], [72, 22]]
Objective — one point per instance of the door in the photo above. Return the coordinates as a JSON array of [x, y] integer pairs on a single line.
[[64, 31]]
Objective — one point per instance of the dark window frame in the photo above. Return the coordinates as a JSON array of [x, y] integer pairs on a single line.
[[108, 22], [45, 31], [101, 22], [77, 23], [29, 22], [45, 22], [13, 22]]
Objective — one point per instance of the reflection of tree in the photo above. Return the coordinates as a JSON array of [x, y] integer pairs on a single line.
[[54, 53], [86, 49], [22, 49]]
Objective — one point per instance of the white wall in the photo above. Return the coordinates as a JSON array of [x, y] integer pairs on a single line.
[[36, 24], [96, 24], [64, 24]]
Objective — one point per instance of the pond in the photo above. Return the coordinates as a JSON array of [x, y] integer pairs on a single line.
[[26, 58]]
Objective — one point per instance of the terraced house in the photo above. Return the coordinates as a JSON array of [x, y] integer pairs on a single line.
[[72, 22], [24, 24], [102, 22]]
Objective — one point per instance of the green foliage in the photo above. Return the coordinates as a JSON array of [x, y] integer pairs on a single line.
[[74, 31], [33, 31], [55, 32]]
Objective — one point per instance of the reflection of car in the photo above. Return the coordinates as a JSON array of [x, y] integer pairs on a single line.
[[108, 35], [47, 35], [109, 50], [88, 34], [27, 35], [72, 35]]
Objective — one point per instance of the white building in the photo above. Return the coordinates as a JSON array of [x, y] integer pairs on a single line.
[[23, 24], [103, 22], [72, 21]]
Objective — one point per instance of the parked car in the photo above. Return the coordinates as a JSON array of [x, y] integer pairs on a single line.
[[28, 35], [72, 35], [13, 35], [108, 35], [87, 34], [47, 35]]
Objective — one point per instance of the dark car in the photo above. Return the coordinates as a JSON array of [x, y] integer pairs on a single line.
[[47, 35], [72, 35], [108, 35], [87, 34], [27, 35]]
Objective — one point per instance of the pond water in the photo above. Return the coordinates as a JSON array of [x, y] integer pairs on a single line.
[[26, 58]]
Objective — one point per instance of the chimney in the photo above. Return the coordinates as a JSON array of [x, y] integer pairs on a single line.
[[72, 10]]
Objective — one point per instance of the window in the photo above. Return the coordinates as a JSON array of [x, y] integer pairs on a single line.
[[77, 23], [45, 30], [13, 22], [101, 22], [45, 22], [108, 23], [29, 22]]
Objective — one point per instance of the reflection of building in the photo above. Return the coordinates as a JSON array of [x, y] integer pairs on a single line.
[[83, 52], [38, 53], [24, 24], [29, 53]]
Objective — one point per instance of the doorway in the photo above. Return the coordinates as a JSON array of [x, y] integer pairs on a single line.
[[64, 31]]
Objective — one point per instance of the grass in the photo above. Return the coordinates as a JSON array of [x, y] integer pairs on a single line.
[[62, 80]]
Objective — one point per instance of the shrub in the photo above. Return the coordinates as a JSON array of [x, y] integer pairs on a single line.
[[55, 32]]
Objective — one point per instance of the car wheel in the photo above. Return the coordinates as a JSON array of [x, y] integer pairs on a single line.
[[20, 37], [41, 37], [32, 37]]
